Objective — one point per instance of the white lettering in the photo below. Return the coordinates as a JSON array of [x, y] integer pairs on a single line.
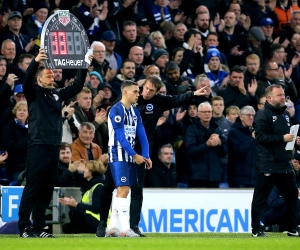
[[12, 206], [67, 62]]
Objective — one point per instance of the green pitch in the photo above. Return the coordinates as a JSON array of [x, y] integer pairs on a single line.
[[209, 241]]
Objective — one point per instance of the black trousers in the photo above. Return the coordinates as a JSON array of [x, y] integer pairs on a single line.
[[80, 222], [286, 183], [136, 196], [41, 172]]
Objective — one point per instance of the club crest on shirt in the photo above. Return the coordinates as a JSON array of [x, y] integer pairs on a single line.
[[149, 107], [55, 97], [123, 179], [287, 118], [134, 118], [274, 118], [118, 119]]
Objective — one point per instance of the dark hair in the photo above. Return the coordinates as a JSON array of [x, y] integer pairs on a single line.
[[174, 52], [128, 83], [156, 81], [65, 145], [23, 56], [171, 65], [189, 33], [270, 88], [39, 71], [213, 34], [273, 48], [126, 61], [237, 69]]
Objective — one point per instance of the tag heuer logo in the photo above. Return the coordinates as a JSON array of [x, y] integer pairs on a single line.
[[64, 17]]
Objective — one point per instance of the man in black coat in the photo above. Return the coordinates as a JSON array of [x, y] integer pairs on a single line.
[[242, 151], [163, 173], [272, 133], [151, 106], [44, 139], [204, 147]]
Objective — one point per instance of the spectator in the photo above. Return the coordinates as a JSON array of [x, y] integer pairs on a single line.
[[202, 81], [149, 71], [84, 215], [13, 32], [178, 38], [262, 102], [235, 92], [127, 73], [242, 151], [15, 136], [66, 171], [85, 113], [267, 26], [158, 40], [23, 62], [92, 19], [160, 11], [160, 59], [176, 14], [84, 148], [33, 27], [8, 50], [108, 97], [204, 147], [213, 69], [167, 29], [252, 69], [202, 25], [109, 38], [95, 81], [224, 124], [232, 113], [58, 77], [163, 174], [137, 56], [99, 63], [175, 83]]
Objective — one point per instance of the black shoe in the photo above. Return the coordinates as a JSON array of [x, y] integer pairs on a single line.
[[27, 233], [259, 233], [137, 231], [294, 233], [101, 229], [44, 234]]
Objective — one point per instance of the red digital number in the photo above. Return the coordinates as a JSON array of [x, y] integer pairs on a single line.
[[62, 43], [54, 43]]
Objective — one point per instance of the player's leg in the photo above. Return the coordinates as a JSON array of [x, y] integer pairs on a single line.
[[105, 198], [137, 199]]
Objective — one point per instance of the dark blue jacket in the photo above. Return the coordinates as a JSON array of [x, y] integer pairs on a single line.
[[203, 161], [241, 156]]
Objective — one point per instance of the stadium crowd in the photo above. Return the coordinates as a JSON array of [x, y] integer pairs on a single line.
[[236, 49]]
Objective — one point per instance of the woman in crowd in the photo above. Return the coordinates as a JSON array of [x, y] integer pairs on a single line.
[[158, 40], [16, 140]]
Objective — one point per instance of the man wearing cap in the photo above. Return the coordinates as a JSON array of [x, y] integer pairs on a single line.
[[108, 38], [12, 31], [267, 26], [255, 37], [33, 27], [160, 59]]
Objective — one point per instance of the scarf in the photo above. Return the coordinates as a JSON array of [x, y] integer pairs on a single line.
[[213, 80], [21, 125], [38, 24]]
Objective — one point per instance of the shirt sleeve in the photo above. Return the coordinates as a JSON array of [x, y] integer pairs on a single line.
[[141, 133]]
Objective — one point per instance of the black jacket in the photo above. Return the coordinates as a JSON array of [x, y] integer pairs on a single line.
[[204, 162], [241, 156], [45, 105], [270, 125], [151, 110], [15, 139], [163, 177], [65, 178]]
